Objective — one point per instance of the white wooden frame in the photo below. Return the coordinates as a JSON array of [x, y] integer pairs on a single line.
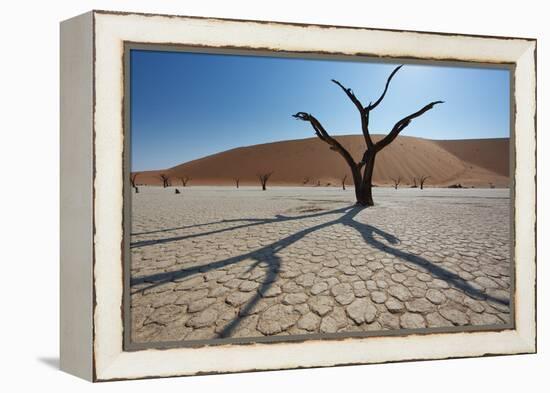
[[92, 47]]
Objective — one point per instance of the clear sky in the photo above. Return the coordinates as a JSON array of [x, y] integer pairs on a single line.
[[188, 105]]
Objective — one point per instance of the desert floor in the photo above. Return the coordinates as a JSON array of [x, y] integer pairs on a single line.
[[225, 263]]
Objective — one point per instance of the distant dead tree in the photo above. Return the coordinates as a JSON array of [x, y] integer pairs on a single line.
[[177, 191], [318, 183], [396, 182], [362, 171], [237, 181], [344, 182], [264, 177], [491, 185], [414, 183], [133, 181], [305, 181], [184, 180], [423, 180], [164, 178]]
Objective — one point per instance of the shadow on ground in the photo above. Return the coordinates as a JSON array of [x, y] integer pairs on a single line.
[[268, 255], [52, 362]]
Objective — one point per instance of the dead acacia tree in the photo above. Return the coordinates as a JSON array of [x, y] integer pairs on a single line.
[[237, 181], [164, 179], [362, 171], [305, 181], [414, 183], [133, 181], [423, 180], [184, 180], [264, 177], [344, 182], [396, 182]]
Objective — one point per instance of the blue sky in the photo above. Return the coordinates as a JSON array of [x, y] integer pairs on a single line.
[[188, 105]]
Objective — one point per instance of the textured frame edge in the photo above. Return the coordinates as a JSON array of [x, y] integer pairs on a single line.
[[76, 193]]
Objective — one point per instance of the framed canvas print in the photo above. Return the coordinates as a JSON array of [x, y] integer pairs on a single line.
[[245, 195]]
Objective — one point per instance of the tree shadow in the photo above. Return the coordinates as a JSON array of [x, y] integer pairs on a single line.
[[248, 222], [453, 279], [198, 225], [268, 255]]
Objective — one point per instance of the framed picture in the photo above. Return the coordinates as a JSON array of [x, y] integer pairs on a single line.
[[245, 195]]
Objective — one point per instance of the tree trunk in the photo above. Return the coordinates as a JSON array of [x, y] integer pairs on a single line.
[[263, 186], [363, 195], [367, 180], [363, 183]]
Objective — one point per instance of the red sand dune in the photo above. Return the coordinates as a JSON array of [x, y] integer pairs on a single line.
[[476, 162]]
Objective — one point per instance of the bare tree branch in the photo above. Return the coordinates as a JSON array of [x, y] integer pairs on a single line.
[[363, 161], [423, 180], [379, 100], [324, 136], [364, 113], [401, 124], [184, 180], [351, 95]]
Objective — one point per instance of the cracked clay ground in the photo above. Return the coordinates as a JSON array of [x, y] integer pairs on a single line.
[[225, 263]]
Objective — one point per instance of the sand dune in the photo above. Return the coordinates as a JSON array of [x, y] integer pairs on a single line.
[[491, 154], [476, 163]]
